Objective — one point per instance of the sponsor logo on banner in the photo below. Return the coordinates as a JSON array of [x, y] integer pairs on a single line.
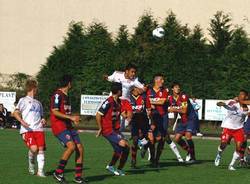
[[213, 112], [91, 103], [8, 99]]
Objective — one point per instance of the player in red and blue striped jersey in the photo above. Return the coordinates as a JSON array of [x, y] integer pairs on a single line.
[[157, 97], [179, 104], [139, 123], [108, 120]]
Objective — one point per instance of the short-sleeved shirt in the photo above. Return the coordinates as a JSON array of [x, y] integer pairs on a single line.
[[118, 76], [155, 96], [32, 113], [138, 103], [110, 111], [182, 101], [236, 115], [60, 101]]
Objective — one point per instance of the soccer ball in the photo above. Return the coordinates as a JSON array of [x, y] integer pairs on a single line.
[[158, 32]]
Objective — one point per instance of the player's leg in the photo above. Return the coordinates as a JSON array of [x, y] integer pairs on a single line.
[[160, 140], [114, 140], [191, 151], [32, 153], [66, 139], [29, 140], [134, 149], [151, 137], [225, 139], [124, 156], [238, 136], [40, 140], [169, 141]]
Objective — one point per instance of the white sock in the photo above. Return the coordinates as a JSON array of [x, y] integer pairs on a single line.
[[40, 161], [31, 158], [174, 149], [220, 151], [236, 156]]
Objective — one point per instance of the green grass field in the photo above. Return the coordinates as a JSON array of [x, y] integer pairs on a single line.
[[13, 164]]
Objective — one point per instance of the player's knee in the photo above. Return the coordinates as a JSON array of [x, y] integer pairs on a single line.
[[71, 146], [34, 149], [188, 135], [123, 143]]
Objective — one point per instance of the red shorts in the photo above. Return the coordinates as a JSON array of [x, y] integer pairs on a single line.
[[126, 106], [34, 138], [228, 134]]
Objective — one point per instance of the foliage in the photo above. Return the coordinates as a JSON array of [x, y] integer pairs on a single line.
[[206, 69]]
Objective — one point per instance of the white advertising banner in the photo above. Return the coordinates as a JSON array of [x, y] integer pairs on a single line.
[[8, 99], [90, 103], [213, 112], [199, 102]]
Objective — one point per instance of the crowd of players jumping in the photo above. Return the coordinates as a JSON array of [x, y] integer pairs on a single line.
[[143, 108]]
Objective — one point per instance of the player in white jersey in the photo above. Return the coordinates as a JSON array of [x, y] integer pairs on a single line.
[[233, 127], [29, 112], [128, 79]]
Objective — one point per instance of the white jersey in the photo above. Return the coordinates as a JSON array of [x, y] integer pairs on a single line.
[[118, 76], [235, 117], [32, 112]]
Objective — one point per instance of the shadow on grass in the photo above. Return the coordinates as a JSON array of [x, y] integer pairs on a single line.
[[99, 177], [50, 173]]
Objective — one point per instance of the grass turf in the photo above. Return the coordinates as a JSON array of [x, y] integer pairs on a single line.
[[13, 161]]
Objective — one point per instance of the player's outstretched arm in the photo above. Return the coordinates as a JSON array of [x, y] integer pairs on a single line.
[[98, 121], [246, 102], [221, 104]]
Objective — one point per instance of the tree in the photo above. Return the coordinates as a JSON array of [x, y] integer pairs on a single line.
[[221, 32]]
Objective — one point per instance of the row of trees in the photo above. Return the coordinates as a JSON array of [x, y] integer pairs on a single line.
[[208, 68]]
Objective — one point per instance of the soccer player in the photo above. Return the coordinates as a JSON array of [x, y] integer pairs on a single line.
[[108, 121], [29, 112], [233, 127], [158, 109], [127, 79], [196, 107], [179, 104], [61, 124], [139, 123]]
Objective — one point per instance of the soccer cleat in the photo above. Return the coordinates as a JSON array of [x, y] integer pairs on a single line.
[[231, 168], [119, 172], [59, 177], [199, 134], [41, 174], [80, 180], [191, 161], [217, 160], [188, 157], [180, 159], [111, 169], [32, 169]]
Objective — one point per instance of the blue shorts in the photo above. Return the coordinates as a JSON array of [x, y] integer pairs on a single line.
[[161, 124], [189, 126], [247, 127], [139, 123], [114, 138], [67, 136]]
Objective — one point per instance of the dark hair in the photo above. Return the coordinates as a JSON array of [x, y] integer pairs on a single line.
[[244, 91], [131, 66], [65, 80], [116, 87], [158, 75], [175, 84]]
